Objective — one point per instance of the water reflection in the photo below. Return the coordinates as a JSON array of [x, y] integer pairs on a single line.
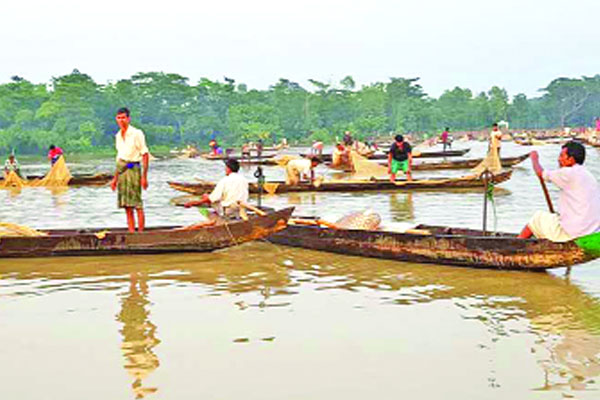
[[402, 207], [139, 334], [562, 320]]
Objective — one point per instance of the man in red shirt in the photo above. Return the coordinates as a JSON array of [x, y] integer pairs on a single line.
[[54, 153]]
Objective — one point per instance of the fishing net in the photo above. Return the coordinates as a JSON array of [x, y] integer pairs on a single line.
[[366, 219], [283, 160], [491, 162], [58, 176], [365, 169], [8, 229], [12, 181]]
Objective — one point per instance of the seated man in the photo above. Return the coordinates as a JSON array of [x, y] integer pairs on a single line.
[[579, 200], [54, 153], [12, 165], [295, 170], [230, 190]]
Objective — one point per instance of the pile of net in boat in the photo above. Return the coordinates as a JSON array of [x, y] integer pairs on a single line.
[[491, 162], [363, 168], [58, 176], [366, 219], [9, 229]]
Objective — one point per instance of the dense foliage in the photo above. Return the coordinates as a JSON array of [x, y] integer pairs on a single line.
[[77, 113]]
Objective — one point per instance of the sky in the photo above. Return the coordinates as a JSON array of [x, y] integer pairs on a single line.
[[518, 45]]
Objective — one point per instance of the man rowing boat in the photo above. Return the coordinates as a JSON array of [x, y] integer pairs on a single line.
[[579, 201], [130, 176], [229, 192], [54, 153]]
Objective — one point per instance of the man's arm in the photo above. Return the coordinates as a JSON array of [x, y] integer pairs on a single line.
[[535, 162], [204, 200], [389, 162], [409, 161], [145, 162]]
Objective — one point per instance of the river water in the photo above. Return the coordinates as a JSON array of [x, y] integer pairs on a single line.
[[262, 321]]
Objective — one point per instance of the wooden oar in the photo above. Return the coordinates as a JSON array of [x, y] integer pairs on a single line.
[[546, 194], [250, 207]]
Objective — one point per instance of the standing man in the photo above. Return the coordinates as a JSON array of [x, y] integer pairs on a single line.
[[259, 148], [579, 199], [495, 138], [130, 176], [445, 137], [400, 158]]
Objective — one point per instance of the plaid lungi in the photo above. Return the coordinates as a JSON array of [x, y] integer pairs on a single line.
[[129, 185]]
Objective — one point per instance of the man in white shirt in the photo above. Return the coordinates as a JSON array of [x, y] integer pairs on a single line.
[[130, 177], [229, 192], [295, 170], [579, 201], [495, 138]]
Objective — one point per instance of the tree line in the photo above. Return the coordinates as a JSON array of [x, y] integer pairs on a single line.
[[77, 113]]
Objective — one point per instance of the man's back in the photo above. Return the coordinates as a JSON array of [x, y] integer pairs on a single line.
[[579, 200], [230, 190]]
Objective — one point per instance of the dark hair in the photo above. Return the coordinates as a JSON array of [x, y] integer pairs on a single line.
[[315, 160], [494, 124], [447, 128], [123, 110], [232, 164], [399, 138], [575, 150]]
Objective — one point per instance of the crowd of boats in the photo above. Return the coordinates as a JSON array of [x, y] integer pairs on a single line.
[[421, 243]]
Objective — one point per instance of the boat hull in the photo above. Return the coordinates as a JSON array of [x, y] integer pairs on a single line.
[[457, 247], [152, 241], [354, 186]]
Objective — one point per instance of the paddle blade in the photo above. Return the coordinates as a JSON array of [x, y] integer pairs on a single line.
[[590, 243]]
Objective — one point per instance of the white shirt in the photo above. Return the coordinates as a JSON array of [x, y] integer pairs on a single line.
[[495, 138], [230, 190], [301, 166], [579, 199], [133, 147]]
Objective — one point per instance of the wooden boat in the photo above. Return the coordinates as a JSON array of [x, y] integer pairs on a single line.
[[152, 241], [354, 186], [438, 245], [208, 156], [424, 154], [507, 162], [82, 179]]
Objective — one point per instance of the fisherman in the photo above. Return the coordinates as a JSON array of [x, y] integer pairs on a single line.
[[54, 153], [340, 156], [400, 158], [259, 148], [317, 148], [296, 170], [246, 150], [579, 199], [12, 165], [445, 138], [130, 177], [348, 138], [495, 138], [229, 192], [216, 150]]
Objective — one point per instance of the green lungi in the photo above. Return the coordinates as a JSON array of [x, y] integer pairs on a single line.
[[129, 185]]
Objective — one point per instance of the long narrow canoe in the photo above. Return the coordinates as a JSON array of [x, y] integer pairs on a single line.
[[82, 180], [152, 241], [354, 186], [438, 245], [208, 156], [424, 154]]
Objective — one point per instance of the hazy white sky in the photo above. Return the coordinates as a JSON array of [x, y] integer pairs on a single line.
[[520, 45]]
